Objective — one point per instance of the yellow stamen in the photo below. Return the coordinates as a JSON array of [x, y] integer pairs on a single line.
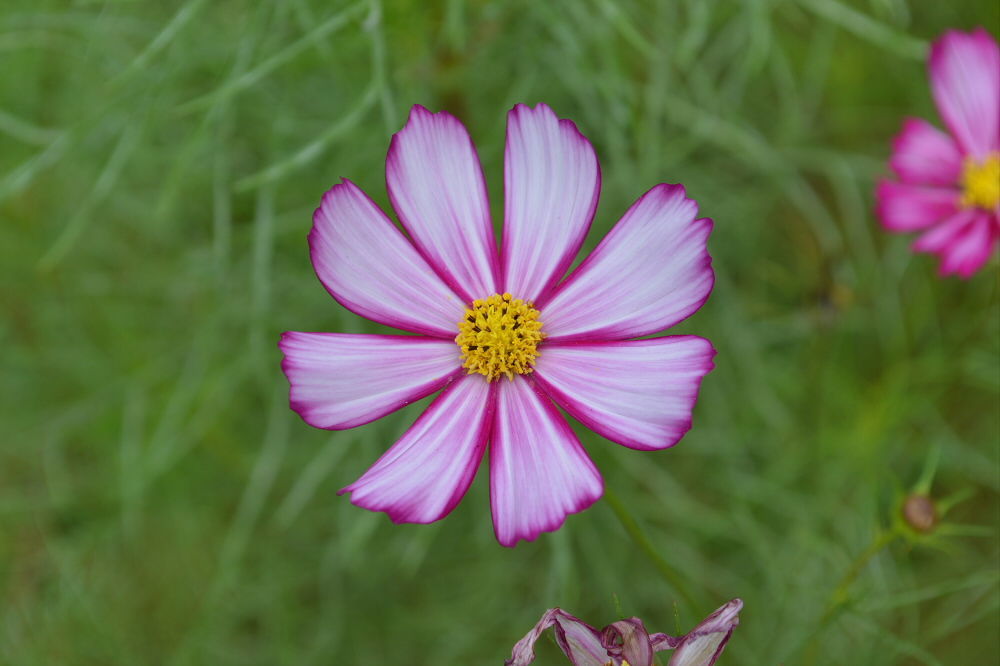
[[499, 336], [981, 182]]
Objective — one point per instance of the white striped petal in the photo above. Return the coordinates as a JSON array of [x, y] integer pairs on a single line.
[[551, 185], [427, 472], [371, 269], [437, 188], [639, 393], [539, 472], [650, 272], [340, 380]]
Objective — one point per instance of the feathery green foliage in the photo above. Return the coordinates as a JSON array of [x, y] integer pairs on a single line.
[[159, 502]]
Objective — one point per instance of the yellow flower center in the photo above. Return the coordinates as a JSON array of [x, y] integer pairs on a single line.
[[499, 336], [981, 182]]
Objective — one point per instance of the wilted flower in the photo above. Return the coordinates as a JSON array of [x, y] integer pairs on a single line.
[[950, 184], [626, 642], [484, 316]]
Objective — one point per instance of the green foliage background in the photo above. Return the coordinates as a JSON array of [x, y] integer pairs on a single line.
[[159, 502]]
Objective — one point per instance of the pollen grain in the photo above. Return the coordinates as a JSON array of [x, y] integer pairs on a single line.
[[499, 335], [981, 183]]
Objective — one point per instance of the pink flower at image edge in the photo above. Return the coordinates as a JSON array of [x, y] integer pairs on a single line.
[[949, 183], [501, 334]]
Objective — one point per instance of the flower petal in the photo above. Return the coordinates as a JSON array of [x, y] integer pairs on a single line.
[[539, 471], [941, 235], [965, 78], [904, 207], [968, 247], [437, 187], [964, 241], [638, 393], [651, 271], [551, 185], [661, 642], [426, 473], [628, 640], [577, 639], [924, 155], [371, 269], [581, 643], [703, 645], [339, 380]]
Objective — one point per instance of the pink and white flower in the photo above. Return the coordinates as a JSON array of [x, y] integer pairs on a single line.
[[949, 183], [627, 643], [501, 334]]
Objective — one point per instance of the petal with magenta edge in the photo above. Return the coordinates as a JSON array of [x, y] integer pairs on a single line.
[[552, 182], [539, 471], [341, 380], [424, 475], [638, 393], [437, 188], [650, 272], [370, 268]]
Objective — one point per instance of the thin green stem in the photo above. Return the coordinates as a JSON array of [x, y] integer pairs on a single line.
[[671, 575], [839, 595]]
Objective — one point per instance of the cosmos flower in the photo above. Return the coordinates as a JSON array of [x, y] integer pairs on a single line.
[[949, 183], [626, 642], [501, 334]]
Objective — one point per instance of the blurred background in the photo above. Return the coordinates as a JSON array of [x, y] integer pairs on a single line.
[[160, 503]]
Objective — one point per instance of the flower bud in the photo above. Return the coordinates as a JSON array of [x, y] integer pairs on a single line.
[[919, 512]]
